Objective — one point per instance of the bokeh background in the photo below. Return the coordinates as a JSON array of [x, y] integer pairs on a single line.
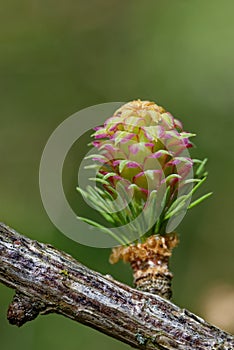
[[57, 57]]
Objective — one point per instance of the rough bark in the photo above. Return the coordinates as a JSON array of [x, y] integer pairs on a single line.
[[47, 280]]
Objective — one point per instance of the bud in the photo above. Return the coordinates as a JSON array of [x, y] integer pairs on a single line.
[[142, 149]]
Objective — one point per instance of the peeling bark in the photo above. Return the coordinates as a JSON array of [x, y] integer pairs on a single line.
[[48, 280]]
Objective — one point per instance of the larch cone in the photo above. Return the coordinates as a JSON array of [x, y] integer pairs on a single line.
[[145, 179]]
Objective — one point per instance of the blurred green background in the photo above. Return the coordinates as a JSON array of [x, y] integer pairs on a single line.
[[58, 57]]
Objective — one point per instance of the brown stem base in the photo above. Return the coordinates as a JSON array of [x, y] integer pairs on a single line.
[[149, 262]]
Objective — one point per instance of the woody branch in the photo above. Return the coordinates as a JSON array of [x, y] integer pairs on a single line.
[[47, 280]]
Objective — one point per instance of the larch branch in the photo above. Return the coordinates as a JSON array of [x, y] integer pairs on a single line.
[[48, 280]]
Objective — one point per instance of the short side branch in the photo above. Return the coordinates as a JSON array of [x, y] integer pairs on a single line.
[[47, 280]]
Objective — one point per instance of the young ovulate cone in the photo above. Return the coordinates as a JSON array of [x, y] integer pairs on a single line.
[[143, 147]]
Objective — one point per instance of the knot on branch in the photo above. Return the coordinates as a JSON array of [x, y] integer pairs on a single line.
[[23, 309]]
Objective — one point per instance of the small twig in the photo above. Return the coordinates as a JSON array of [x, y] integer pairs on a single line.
[[48, 280]]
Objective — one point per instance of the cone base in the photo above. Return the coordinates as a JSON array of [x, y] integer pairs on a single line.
[[149, 262]]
